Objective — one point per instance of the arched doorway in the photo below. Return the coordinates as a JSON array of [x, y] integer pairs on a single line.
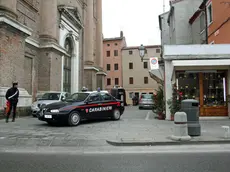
[[67, 65]]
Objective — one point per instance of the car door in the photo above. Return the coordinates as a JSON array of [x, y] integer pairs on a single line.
[[109, 103], [92, 108]]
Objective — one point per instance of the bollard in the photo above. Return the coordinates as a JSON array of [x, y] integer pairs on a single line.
[[226, 131], [180, 127]]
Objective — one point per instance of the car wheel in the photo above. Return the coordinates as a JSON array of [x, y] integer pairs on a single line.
[[74, 119], [116, 114]]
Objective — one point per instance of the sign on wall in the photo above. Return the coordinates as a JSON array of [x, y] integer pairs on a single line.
[[154, 63]]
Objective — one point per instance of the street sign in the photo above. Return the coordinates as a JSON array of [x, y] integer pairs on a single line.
[[154, 63]]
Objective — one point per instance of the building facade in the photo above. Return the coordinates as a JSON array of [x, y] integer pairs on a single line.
[[113, 60], [50, 45], [180, 32], [136, 73], [218, 16]]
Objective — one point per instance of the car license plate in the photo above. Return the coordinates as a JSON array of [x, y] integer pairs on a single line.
[[48, 116]]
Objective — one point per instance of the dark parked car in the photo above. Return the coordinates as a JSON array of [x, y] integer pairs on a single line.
[[82, 105]]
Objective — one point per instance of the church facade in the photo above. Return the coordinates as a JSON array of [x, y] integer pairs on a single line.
[[50, 45]]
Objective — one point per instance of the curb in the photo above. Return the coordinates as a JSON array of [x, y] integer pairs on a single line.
[[169, 143]]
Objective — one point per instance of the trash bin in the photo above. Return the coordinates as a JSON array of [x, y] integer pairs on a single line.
[[191, 108]]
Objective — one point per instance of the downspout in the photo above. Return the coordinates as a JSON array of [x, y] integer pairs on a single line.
[[206, 22]]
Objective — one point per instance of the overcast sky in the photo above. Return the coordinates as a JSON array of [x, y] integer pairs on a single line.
[[137, 18]]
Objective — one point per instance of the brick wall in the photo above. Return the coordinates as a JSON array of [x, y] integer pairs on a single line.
[[12, 46]]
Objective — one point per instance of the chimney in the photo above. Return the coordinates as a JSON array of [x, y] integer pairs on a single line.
[[121, 34]]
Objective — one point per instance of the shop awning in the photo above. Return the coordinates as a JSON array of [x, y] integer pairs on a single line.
[[217, 62]]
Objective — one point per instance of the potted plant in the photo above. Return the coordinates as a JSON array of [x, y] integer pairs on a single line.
[[175, 102], [159, 103]]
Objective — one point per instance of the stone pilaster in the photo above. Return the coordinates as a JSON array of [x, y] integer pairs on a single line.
[[9, 8], [88, 33], [49, 21], [99, 39], [50, 61]]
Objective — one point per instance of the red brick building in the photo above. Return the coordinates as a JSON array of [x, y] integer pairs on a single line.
[[218, 16], [113, 60]]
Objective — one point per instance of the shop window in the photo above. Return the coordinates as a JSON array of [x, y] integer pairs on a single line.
[[214, 89], [188, 85]]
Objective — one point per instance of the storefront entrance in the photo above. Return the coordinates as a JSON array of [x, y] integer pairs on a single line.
[[208, 87]]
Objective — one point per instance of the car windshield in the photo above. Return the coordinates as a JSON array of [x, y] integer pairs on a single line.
[[77, 97], [51, 96], [146, 96]]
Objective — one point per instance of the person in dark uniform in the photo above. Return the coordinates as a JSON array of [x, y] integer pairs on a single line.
[[12, 95]]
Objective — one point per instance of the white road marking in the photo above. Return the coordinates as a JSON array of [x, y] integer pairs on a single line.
[[147, 116]]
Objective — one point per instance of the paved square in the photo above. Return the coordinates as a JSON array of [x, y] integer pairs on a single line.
[[135, 124]]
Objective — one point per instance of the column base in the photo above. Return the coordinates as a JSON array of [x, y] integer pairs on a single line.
[[25, 99]]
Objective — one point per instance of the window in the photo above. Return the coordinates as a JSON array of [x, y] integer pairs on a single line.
[[145, 65], [51, 96], [67, 95], [77, 97], [116, 44], [67, 66], [158, 50], [130, 80], [115, 52], [108, 81], [131, 95], [105, 96], [146, 80], [209, 11], [108, 53], [146, 51], [94, 97], [108, 67], [202, 22], [116, 81], [115, 66], [130, 52], [108, 45], [130, 65]]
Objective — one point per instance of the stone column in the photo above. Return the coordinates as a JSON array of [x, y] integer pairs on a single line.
[[9, 7], [168, 86], [89, 33], [99, 45], [49, 21]]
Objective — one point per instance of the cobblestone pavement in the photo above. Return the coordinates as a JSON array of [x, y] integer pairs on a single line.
[[134, 124]]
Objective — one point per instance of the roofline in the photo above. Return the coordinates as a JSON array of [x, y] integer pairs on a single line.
[[137, 47], [160, 17], [113, 39], [170, 13], [197, 13]]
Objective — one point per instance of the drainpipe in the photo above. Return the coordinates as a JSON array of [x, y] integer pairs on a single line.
[[206, 22]]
